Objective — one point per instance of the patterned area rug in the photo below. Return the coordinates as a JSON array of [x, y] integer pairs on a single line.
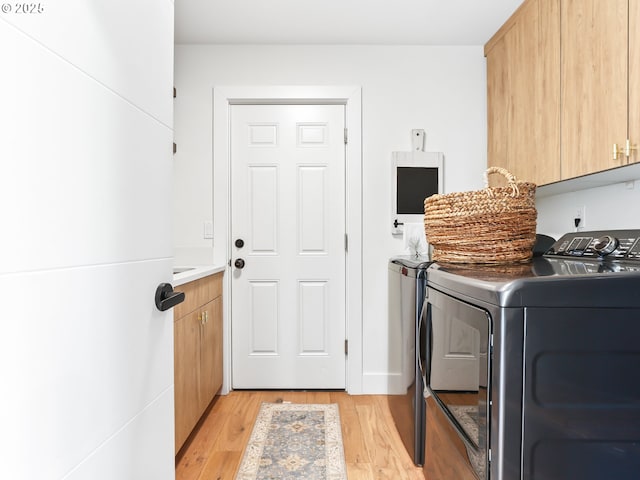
[[295, 441]]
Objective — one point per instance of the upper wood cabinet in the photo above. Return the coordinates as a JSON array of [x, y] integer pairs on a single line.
[[523, 94], [563, 86], [634, 78], [594, 84]]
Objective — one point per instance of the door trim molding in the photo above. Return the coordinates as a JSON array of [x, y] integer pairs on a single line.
[[351, 97]]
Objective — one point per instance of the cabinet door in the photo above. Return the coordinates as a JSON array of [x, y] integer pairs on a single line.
[[594, 84], [186, 373], [498, 118], [634, 78], [210, 353], [523, 94]]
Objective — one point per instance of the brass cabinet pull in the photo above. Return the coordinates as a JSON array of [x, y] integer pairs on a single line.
[[616, 151], [628, 148]]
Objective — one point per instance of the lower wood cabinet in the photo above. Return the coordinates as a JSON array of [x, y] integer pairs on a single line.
[[197, 352]]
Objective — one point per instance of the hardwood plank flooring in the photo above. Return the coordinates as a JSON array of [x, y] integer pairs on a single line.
[[372, 447]]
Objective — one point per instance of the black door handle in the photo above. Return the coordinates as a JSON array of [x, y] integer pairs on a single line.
[[166, 297], [239, 243], [239, 263]]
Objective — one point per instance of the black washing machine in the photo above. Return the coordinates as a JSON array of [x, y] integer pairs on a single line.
[[535, 366]]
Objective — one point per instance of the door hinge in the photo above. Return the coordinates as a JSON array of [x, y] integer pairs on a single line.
[[346, 347], [175, 148], [174, 92], [346, 137], [346, 242]]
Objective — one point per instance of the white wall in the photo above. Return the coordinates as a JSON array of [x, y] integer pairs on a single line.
[[614, 206], [439, 89], [85, 357]]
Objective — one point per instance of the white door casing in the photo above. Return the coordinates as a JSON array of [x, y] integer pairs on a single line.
[[288, 207], [224, 97]]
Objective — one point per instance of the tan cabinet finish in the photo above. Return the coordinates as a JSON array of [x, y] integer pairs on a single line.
[[197, 352], [594, 84], [563, 86], [211, 353], [523, 93], [634, 78]]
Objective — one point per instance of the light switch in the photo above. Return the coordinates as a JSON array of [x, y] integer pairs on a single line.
[[208, 230]]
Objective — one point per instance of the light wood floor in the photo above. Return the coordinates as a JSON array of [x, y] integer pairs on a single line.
[[373, 450]]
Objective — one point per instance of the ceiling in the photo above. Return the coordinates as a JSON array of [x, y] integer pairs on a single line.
[[337, 22]]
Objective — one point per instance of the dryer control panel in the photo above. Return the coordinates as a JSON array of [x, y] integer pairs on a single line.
[[612, 245]]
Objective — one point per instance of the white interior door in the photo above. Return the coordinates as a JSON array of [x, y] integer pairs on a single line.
[[86, 359], [288, 211]]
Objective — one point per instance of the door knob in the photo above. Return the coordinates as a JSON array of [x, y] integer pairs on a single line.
[[239, 263], [166, 297], [239, 243]]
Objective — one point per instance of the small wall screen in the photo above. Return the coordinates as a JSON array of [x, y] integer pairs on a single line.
[[414, 184], [414, 176]]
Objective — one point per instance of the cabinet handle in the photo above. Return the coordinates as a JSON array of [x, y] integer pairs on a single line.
[[628, 148], [616, 151]]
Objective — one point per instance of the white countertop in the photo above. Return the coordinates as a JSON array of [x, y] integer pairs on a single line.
[[195, 272]]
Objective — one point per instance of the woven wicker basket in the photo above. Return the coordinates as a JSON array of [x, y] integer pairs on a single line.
[[496, 225]]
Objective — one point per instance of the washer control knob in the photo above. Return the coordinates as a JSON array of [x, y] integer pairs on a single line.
[[605, 245]]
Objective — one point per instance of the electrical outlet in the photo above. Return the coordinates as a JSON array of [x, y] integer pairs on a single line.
[[580, 216]]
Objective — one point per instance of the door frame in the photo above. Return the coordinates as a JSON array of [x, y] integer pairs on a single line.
[[351, 98]]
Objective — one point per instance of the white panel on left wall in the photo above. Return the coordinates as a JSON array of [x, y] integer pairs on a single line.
[[84, 354], [112, 42], [86, 359], [88, 175]]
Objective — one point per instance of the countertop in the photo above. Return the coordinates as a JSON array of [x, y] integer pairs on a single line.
[[195, 272]]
